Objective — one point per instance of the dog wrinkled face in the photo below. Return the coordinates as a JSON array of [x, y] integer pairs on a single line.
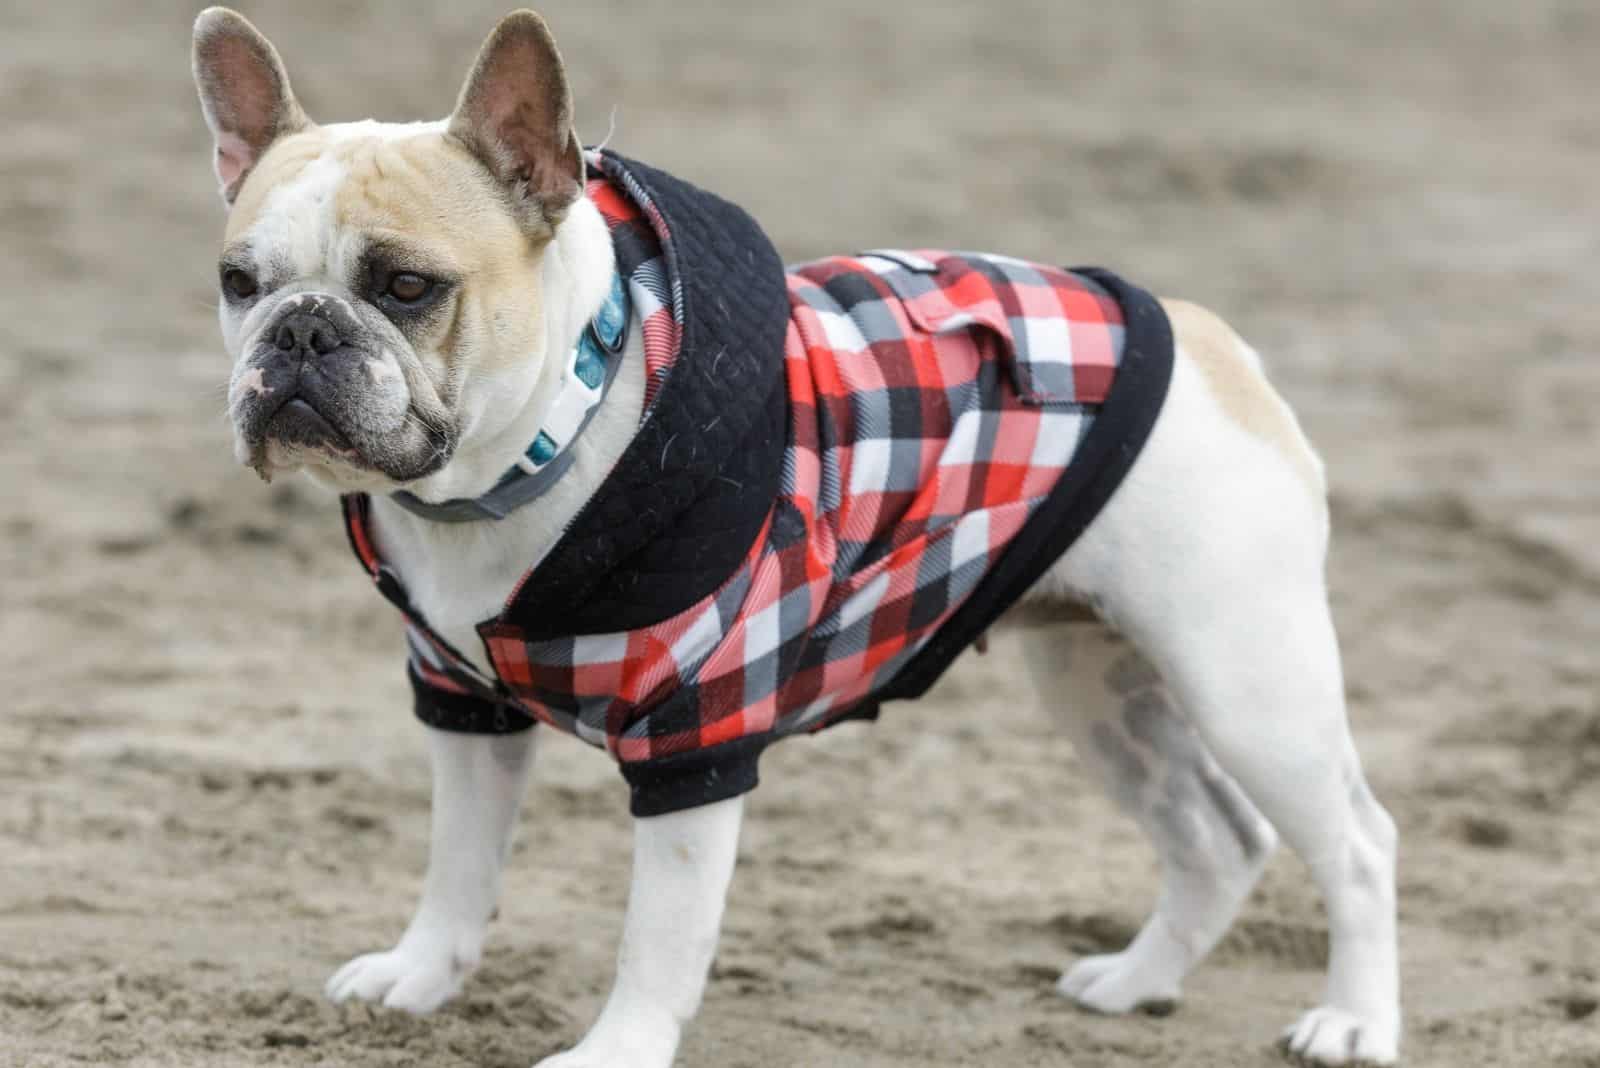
[[370, 278], [381, 284]]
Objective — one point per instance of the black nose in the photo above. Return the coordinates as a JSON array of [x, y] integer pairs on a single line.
[[306, 332]]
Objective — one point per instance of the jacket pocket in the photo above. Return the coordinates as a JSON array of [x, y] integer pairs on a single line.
[[1018, 304]]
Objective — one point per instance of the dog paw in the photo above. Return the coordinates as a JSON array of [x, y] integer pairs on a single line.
[[636, 1036], [1116, 983], [1334, 1036], [612, 1058], [410, 979], [577, 1058]]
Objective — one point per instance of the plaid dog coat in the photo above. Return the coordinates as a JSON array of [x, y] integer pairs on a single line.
[[843, 475]]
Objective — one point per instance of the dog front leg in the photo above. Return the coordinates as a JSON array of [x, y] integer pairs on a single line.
[[682, 863], [478, 783]]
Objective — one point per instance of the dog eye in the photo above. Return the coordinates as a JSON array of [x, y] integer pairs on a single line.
[[408, 288], [241, 285]]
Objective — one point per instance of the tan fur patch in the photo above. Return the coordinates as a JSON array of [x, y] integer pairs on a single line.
[[285, 159], [429, 193], [1240, 388]]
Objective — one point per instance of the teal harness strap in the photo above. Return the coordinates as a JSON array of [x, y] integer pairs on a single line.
[[591, 367]]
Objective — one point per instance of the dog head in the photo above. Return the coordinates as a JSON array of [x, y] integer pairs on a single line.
[[388, 290]]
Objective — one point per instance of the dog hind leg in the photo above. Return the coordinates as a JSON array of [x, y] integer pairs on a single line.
[[1265, 689], [1211, 841], [1210, 558]]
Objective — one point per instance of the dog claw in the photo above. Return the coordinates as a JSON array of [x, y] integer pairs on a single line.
[[1329, 1036], [1113, 984], [402, 979]]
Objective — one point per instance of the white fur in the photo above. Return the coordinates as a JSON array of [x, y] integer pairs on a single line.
[[682, 864], [461, 574], [299, 224], [1209, 559], [501, 416], [1208, 868], [478, 783]]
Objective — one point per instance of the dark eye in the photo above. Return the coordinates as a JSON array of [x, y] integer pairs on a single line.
[[241, 285], [408, 288]]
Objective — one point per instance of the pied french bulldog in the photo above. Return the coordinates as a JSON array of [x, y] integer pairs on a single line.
[[628, 477]]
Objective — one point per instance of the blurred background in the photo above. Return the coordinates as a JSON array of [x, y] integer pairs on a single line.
[[211, 789]]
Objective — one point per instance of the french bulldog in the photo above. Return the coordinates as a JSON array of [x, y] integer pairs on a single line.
[[410, 309]]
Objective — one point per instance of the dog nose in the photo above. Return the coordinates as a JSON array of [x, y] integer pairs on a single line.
[[306, 332]]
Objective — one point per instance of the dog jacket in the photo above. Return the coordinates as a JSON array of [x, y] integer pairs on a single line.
[[844, 473]]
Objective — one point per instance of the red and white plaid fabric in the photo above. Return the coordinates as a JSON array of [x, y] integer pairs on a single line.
[[935, 399]]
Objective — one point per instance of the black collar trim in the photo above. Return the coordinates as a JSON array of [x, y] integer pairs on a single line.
[[684, 503]]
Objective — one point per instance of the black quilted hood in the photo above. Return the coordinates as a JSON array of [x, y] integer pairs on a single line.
[[683, 505]]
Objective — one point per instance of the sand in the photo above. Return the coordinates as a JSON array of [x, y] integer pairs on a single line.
[[213, 792]]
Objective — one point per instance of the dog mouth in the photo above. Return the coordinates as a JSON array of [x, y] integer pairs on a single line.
[[298, 423], [298, 427], [323, 390], [298, 432]]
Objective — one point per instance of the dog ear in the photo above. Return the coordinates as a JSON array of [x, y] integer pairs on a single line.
[[244, 93], [515, 114]]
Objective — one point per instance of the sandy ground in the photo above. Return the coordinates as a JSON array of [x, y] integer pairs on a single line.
[[211, 791]]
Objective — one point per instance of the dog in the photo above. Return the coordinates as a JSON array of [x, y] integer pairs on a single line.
[[699, 501]]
